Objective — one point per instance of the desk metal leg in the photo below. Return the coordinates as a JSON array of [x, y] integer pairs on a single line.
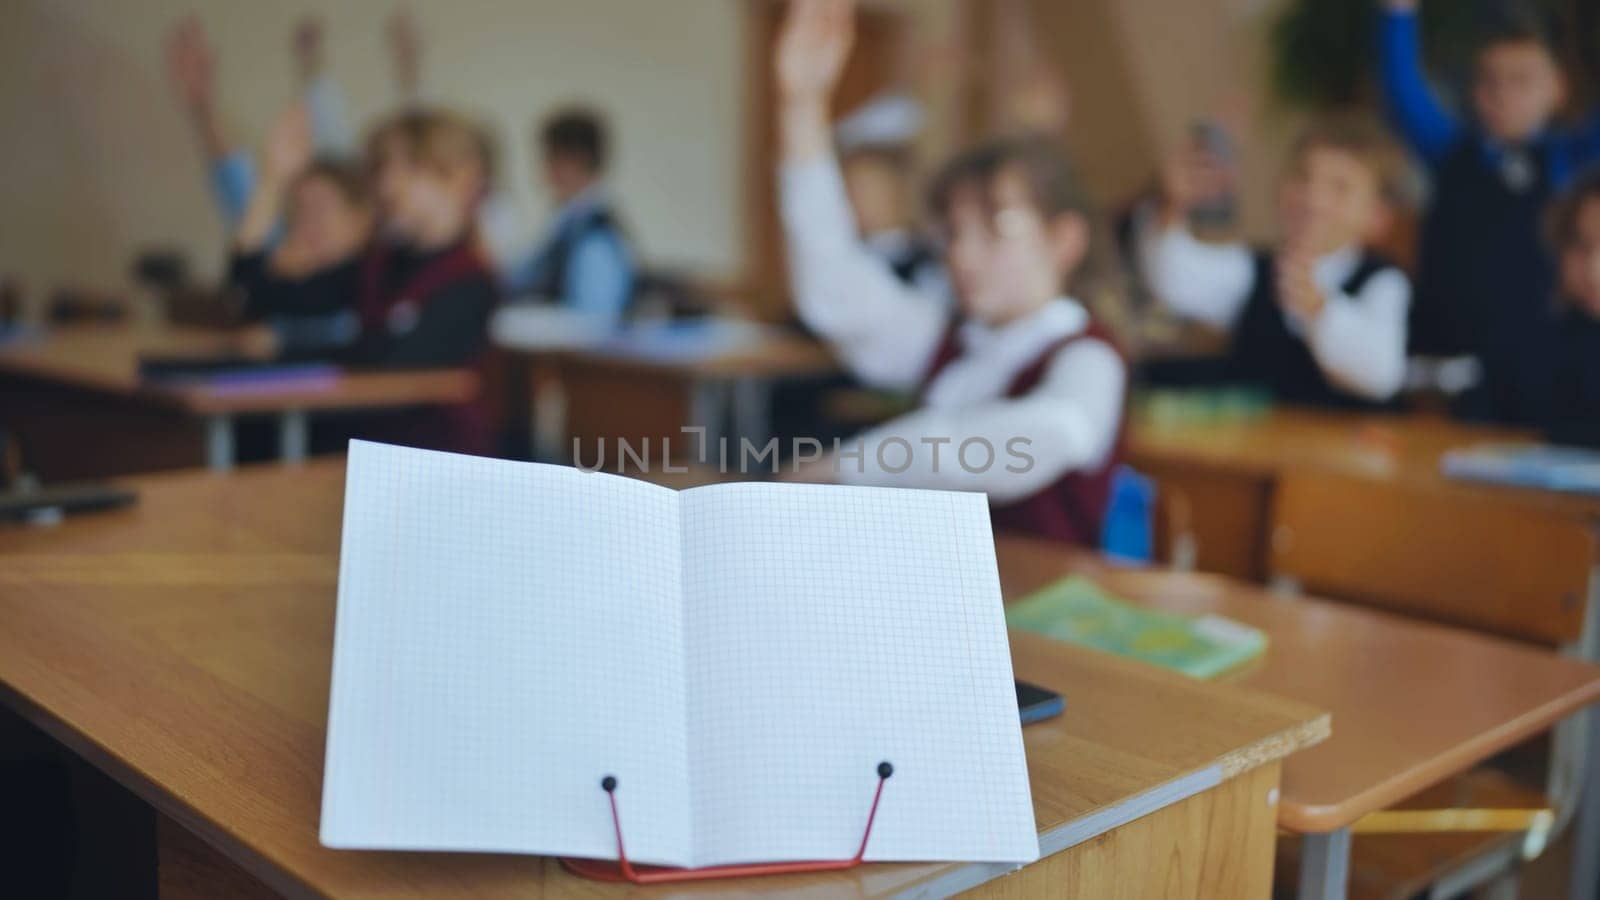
[[219, 442], [752, 409], [1324, 865], [294, 435], [548, 426], [1586, 847], [1584, 881], [708, 409]]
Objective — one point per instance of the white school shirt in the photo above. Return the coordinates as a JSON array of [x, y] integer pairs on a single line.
[[888, 335], [1358, 341]]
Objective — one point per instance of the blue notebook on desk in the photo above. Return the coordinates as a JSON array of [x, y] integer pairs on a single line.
[[1567, 469]]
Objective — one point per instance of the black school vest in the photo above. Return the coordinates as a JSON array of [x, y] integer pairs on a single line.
[[1267, 352], [552, 280], [1484, 280], [1575, 413], [1071, 509]]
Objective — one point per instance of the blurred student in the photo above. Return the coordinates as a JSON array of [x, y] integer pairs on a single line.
[[584, 262], [1485, 273], [1575, 231], [1320, 319], [425, 292], [1024, 368], [875, 147], [304, 284], [232, 167]]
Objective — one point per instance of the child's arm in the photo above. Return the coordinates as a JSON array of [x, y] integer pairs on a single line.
[[1358, 341], [330, 124], [287, 152], [1206, 282], [405, 51], [1417, 113], [883, 330], [193, 68], [1069, 422]]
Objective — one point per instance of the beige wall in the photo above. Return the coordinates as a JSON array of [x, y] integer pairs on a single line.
[[98, 161]]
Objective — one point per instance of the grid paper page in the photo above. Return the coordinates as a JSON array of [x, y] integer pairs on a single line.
[[831, 628], [507, 634]]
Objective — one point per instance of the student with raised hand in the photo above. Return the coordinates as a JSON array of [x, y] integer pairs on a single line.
[[1023, 379], [1485, 274], [1575, 231], [1320, 319], [875, 147], [297, 246], [584, 262], [232, 167]]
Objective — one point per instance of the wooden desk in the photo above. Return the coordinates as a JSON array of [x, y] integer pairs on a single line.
[[183, 647], [78, 387], [1226, 470], [605, 394], [1413, 703]]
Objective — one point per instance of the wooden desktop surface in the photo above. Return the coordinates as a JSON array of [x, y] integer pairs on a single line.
[[1412, 703], [105, 359], [1400, 448], [183, 645]]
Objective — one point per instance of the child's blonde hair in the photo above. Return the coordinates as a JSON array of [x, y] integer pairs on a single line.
[[1366, 140], [441, 139]]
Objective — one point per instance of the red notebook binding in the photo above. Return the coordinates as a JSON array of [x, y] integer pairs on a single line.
[[622, 870]]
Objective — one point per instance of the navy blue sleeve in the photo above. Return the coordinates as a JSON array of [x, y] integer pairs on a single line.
[[1416, 112]]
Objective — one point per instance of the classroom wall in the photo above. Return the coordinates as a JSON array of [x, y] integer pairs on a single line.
[[98, 159]]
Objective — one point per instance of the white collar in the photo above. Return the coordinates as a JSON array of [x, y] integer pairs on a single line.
[[1056, 319], [1336, 268]]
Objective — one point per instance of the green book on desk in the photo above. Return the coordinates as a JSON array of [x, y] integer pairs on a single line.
[[1077, 611]]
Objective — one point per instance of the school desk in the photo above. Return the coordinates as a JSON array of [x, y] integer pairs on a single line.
[[1413, 703], [610, 392], [76, 395], [1225, 471], [183, 646]]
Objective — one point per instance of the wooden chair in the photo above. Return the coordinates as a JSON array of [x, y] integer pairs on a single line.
[[1467, 559]]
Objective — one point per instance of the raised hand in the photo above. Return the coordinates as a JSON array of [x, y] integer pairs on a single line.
[[307, 45], [288, 147], [192, 65], [1189, 178], [812, 49], [405, 48]]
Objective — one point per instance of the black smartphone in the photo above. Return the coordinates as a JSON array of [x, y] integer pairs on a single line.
[[1037, 704], [51, 501]]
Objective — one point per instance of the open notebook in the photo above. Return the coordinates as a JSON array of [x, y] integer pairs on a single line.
[[740, 657]]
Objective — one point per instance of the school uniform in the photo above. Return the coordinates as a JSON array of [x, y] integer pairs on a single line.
[[1052, 379], [584, 263], [1484, 271], [1352, 355], [1575, 408], [421, 309], [313, 313]]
